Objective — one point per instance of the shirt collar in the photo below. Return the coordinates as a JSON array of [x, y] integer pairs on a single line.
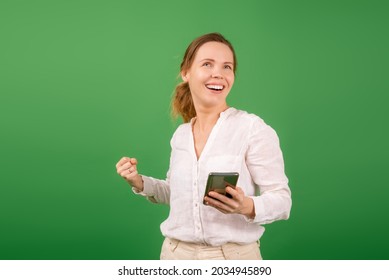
[[223, 114]]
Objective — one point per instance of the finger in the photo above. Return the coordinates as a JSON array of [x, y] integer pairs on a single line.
[[214, 206], [132, 169], [220, 200], [239, 190], [129, 176], [218, 196], [134, 161], [124, 167], [122, 161], [222, 207], [125, 173], [236, 193], [128, 171]]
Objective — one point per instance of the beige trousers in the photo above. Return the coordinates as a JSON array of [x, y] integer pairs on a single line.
[[173, 249]]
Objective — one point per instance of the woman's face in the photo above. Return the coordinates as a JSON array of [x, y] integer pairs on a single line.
[[211, 75]]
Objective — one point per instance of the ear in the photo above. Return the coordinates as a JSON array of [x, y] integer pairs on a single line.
[[184, 76]]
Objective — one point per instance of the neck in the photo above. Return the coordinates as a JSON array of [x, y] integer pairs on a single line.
[[206, 118]]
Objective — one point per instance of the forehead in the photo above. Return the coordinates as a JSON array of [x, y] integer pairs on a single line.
[[216, 51]]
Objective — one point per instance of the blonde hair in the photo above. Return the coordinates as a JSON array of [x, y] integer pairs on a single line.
[[182, 102]]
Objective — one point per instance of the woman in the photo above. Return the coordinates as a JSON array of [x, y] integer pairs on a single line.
[[215, 138]]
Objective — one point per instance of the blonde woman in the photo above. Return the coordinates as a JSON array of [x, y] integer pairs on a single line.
[[214, 138]]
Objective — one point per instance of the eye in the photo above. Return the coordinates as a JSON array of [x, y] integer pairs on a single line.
[[227, 67], [207, 64]]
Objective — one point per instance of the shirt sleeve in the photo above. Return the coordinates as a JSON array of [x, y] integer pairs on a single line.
[[155, 190], [266, 165]]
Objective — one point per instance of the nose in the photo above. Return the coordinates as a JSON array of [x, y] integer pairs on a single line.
[[216, 74]]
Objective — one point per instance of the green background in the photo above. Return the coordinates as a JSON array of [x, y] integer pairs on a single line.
[[83, 83]]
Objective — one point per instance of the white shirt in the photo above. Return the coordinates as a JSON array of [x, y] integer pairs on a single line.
[[239, 142]]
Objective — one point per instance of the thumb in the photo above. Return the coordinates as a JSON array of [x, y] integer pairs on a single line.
[[133, 161]]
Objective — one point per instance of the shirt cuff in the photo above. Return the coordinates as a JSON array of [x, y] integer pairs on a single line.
[[147, 187], [258, 209]]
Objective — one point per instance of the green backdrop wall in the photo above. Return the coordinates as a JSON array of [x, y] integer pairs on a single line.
[[83, 83]]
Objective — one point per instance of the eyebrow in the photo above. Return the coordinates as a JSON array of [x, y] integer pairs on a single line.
[[210, 59]]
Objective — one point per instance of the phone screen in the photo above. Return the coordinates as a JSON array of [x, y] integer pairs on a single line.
[[218, 181]]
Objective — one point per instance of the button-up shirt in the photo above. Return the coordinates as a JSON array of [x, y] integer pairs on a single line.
[[239, 142]]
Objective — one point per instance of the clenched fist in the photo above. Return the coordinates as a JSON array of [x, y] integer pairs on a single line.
[[126, 167]]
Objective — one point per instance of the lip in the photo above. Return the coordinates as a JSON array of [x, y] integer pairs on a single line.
[[215, 84]]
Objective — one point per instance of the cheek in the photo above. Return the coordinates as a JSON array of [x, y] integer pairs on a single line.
[[231, 79], [203, 74], [200, 78]]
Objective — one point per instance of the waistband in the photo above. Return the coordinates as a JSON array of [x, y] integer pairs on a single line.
[[197, 246]]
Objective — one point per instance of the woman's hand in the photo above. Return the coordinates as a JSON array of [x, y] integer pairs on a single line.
[[126, 167], [239, 203]]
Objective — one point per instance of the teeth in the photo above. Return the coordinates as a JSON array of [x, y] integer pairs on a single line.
[[217, 87]]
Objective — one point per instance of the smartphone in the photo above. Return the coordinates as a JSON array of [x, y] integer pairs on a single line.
[[218, 181]]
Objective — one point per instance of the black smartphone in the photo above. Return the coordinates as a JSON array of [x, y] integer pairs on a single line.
[[218, 181]]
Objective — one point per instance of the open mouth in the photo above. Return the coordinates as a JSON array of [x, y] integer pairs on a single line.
[[215, 87]]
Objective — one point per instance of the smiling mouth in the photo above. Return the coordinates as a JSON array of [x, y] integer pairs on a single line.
[[215, 87]]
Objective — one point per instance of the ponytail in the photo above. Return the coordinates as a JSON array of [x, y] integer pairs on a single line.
[[182, 103]]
